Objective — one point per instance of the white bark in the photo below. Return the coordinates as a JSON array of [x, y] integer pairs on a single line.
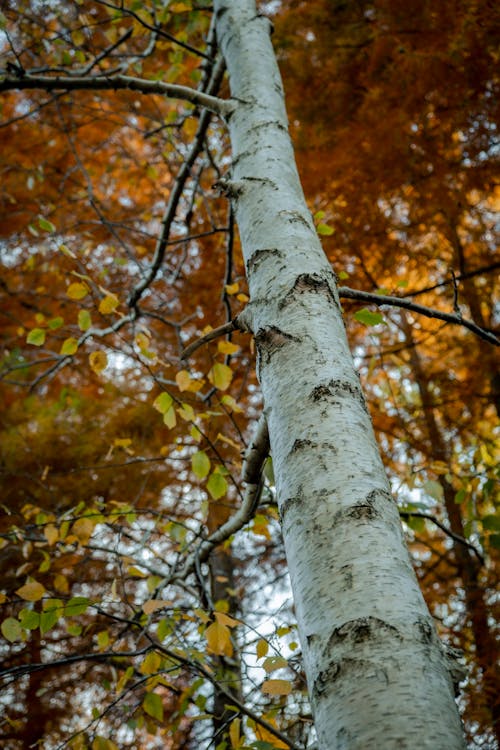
[[377, 675]]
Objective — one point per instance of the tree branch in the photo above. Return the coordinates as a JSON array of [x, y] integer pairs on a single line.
[[222, 107], [210, 336], [444, 529], [380, 300], [251, 474]]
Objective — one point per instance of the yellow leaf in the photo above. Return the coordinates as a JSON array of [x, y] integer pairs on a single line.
[[228, 441], [232, 288], [202, 615], [227, 347], [133, 571], [51, 534], [66, 251], [219, 639], [61, 584], [83, 529], [242, 297], [169, 418], [183, 380], [234, 733], [277, 687], [77, 290], [220, 376], [266, 736], [31, 591], [102, 743], [262, 648], [69, 346], [98, 361], [102, 640], [187, 412], [224, 619], [153, 604], [108, 304], [151, 663], [231, 404], [272, 663]]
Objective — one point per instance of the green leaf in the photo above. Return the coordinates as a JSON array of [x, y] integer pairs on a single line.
[[460, 496], [29, 619], [45, 224], [84, 320], [491, 523], [55, 323], [76, 606], [343, 275], [217, 485], [53, 610], [163, 402], [36, 337], [153, 706], [69, 346], [11, 629], [200, 464], [369, 318], [324, 229]]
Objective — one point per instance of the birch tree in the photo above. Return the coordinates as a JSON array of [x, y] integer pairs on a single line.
[[376, 671], [369, 644]]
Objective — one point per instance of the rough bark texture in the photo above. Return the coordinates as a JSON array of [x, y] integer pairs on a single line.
[[377, 675]]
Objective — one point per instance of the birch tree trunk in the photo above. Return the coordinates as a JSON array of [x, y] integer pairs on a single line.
[[377, 674]]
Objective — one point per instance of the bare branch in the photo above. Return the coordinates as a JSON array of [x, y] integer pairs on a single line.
[[444, 529], [210, 336], [251, 473], [380, 300], [222, 107]]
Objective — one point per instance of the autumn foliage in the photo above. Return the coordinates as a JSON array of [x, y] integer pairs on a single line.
[[120, 455]]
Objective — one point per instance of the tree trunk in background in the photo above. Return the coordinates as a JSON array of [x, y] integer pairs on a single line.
[[468, 566], [377, 674]]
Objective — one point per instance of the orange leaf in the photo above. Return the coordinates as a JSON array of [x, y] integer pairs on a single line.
[[277, 687]]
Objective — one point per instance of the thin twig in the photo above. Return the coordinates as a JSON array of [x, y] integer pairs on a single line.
[[444, 529], [429, 312], [210, 336]]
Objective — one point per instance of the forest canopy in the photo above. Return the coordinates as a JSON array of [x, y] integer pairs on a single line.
[[144, 591]]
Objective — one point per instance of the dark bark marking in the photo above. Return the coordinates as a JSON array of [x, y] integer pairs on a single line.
[[348, 667], [301, 443], [425, 630], [269, 340], [360, 630], [325, 678], [334, 389], [379, 494], [295, 217], [362, 512], [347, 575], [309, 282], [260, 255], [288, 504]]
